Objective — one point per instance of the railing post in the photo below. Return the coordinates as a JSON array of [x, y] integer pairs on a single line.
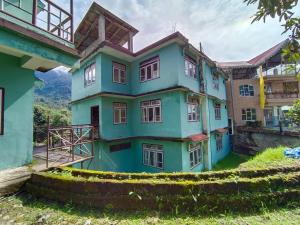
[[72, 18], [49, 17], [72, 144], [1, 5], [34, 12], [48, 141]]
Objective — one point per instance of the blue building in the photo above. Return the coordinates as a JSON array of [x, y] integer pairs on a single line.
[[161, 109]]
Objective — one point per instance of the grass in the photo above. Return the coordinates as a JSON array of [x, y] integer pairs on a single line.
[[269, 158], [231, 161], [24, 209]]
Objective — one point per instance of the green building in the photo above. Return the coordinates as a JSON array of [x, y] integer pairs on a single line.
[[31, 39], [161, 109]]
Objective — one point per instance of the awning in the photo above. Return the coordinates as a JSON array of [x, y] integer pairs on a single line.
[[221, 130], [198, 137]]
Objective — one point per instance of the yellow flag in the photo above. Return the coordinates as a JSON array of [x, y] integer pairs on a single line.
[[262, 98]]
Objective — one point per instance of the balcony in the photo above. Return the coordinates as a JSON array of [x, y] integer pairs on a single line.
[[282, 95], [44, 15]]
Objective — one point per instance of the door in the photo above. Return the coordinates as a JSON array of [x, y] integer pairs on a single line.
[[95, 118], [268, 117]]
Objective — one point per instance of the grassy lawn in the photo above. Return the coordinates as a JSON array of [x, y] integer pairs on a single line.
[[25, 209], [271, 157]]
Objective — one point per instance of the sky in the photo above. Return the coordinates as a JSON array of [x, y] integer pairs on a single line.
[[222, 26]]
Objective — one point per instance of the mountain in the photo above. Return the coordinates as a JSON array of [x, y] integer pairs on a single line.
[[55, 88]]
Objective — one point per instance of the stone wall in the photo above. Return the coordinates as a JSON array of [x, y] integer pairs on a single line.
[[253, 140]]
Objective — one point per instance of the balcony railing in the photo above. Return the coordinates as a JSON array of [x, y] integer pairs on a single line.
[[43, 14], [282, 95]]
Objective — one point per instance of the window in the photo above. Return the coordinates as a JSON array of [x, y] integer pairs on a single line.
[[1, 111], [246, 90], [195, 154], [119, 73], [215, 81], [217, 111], [153, 155], [190, 67], [290, 87], [151, 111], [120, 113], [268, 88], [90, 74], [193, 110], [149, 69], [249, 114], [219, 142], [120, 147]]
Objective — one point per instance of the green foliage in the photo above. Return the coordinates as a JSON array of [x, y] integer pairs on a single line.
[[294, 112], [284, 10], [57, 117]]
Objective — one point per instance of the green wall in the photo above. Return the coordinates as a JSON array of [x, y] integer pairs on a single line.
[[16, 143]]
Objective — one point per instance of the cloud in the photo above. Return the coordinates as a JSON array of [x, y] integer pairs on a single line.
[[222, 26]]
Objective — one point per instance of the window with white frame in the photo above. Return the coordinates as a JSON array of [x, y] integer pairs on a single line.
[[193, 109], [195, 150], [119, 73], [90, 74], [215, 81], [1, 111], [249, 114], [120, 113], [219, 142], [149, 69], [190, 67], [153, 155], [217, 111], [151, 111], [246, 90]]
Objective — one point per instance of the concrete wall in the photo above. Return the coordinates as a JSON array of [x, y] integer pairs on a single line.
[[16, 143]]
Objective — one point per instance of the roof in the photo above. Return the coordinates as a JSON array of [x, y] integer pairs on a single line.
[[116, 29], [221, 130], [256, 61], [177, 36], [198, 137]]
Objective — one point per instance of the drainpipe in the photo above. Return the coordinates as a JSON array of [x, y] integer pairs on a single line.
[[208, 128]]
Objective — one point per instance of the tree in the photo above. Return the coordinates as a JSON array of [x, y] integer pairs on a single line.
[[284, 9], [294, 112]]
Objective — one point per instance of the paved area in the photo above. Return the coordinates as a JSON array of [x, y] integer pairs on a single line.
[[12, 180]]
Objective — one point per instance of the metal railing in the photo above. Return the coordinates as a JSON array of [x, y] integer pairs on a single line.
[[73, 140], [282, 95], [45, 15]]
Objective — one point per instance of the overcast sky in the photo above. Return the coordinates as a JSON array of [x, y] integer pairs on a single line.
[[222, 26]]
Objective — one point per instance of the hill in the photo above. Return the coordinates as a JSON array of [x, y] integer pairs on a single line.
[[55, 90]]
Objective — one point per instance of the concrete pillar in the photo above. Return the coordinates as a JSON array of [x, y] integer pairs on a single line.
[[101, 28], [130, 41], [1, 5]]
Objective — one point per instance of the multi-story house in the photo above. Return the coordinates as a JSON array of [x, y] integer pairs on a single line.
[[281, 88], [162, 108], [31, 38]]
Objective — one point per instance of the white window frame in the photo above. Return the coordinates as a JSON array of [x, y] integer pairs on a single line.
[[193, 110], [119, 73], [150, 107], [196, 154], [119, 109], [245, 91], [219, 142], [90, 74], [153, 150], [218, 112], [249, 114], [190, 68], [215, 81], [147, 70], [2, 95]]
